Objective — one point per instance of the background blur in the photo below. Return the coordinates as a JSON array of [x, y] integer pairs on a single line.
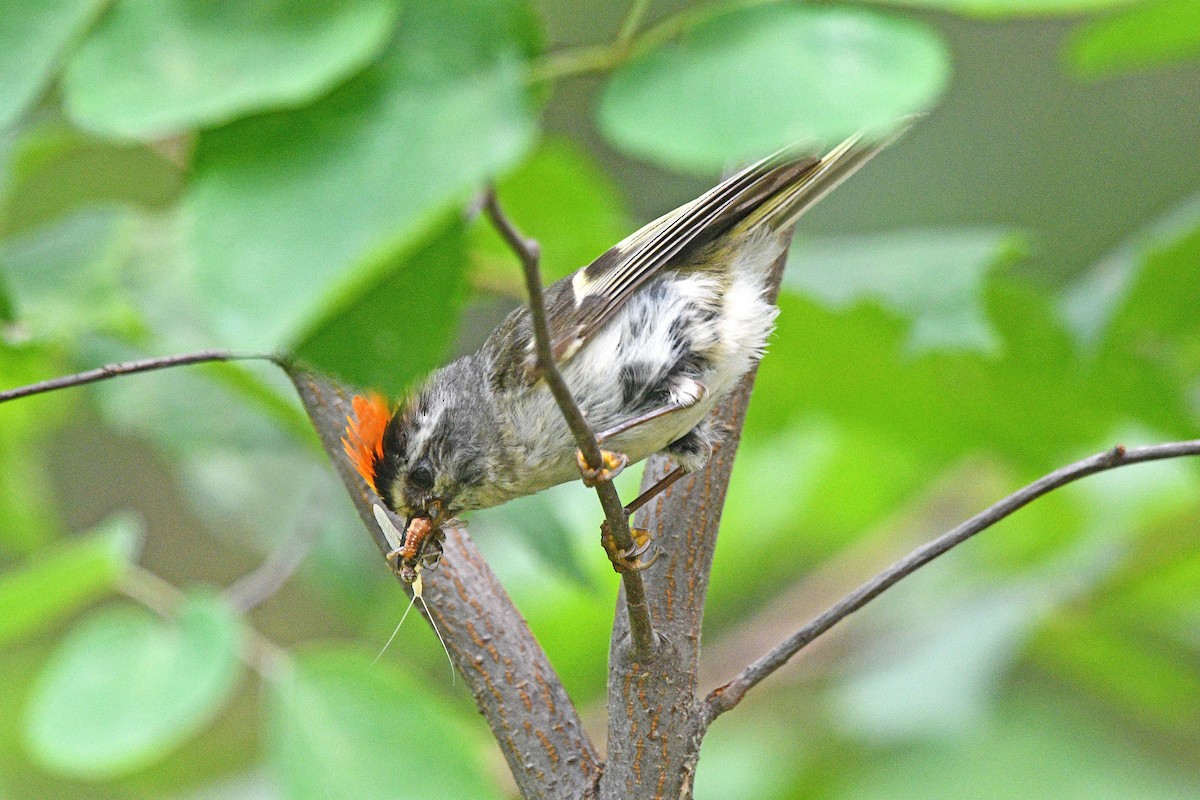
[[1012, 286]]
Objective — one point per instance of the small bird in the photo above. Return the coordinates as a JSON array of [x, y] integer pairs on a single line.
[[648, 337]]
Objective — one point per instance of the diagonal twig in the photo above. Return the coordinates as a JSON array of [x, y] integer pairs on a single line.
[[726, 697], [257, 587], [633, 18], [130, 367], [641, 629]]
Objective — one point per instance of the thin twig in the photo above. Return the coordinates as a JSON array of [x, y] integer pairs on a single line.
[[633, 19], [602, 58], [153, 592], [129, 367], [255, 588], [726, 697], [641, 630], [164, 598]]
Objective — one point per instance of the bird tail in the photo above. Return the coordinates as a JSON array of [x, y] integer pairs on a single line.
[[796, 185]]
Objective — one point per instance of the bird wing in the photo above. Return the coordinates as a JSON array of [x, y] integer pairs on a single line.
[[773, 191], [580, 305]]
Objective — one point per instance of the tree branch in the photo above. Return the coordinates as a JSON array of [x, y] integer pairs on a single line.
[[130, 367], [655, 718], [514, 685], [726, 697], [641, 630]]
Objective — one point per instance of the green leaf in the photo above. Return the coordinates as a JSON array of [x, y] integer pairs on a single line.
[[158, 67], [1037, 746], [1034, 401], [808, 469], [33, 37], [27, 499], [1158, 319], [751, 80], [284, 205], [1013, 8], [935, 277], [401, 323], [1160, 575], [55, 170], [1131, 668], [339, 726], [7, 312], [1148, 34], [537, 522], [65, 278], [125, 688], [561, 197], [1092, 304], [58, 581]]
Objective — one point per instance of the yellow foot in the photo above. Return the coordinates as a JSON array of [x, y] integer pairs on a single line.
[[613, 464], [628, 560]]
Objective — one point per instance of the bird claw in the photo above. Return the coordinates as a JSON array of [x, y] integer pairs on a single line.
[[629, 560], [613, 464]]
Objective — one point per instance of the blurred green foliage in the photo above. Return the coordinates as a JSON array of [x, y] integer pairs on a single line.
[[335, 711], [125, 687], [1146, 34], [727, 88], [295, 175], [154, 69]]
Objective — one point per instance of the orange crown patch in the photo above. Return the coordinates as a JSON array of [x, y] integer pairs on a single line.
[[363, 441]]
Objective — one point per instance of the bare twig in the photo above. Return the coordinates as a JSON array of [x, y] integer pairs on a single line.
[[130, 367], [633, 19], [726, 697], [629, 41], [255, 588], [641, 630], [163, 598]]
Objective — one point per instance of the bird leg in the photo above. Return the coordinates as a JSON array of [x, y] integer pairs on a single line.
[[632, 558], [659, 487], [615, 462]]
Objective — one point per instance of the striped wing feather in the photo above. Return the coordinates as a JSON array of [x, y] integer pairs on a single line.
[[771, 193]]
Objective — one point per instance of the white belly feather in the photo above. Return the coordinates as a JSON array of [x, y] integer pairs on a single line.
[[732, 340]]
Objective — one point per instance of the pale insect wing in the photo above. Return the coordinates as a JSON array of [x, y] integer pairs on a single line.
[[395, 538]]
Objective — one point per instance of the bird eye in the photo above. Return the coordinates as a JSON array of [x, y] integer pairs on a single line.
[[421, 478]]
